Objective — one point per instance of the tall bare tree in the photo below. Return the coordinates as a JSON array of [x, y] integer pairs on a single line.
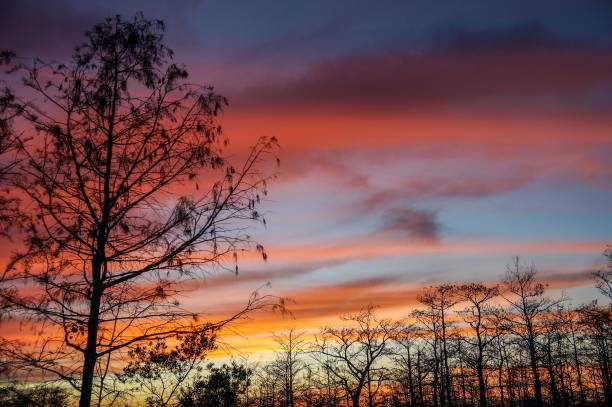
[[290, 363], [528, 307], [131, 195], [350, 353], [597, 322], [439, 300], [406, 338], [429, 321], [479, 315]]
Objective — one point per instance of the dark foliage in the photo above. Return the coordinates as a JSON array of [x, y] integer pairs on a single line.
[[223, 387], [37, 396]]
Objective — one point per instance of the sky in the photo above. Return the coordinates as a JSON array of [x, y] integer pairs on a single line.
[[420, 143]]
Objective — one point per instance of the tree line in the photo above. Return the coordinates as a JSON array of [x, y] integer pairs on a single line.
[[471, 344]]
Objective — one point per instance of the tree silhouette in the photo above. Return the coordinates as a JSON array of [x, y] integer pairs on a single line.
[[528, 306], [351, 353], [439, 300], [223, 387], [162, 371], [289, 363], [597, 322], [406, 339], [130, 196], [479, 315], [34, 396]]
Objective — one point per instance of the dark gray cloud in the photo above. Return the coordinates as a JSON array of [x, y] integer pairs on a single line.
[[398, 55], [52, 29], [519, 79], [411, 223], [33, 28], [295, 28], [531, 34]]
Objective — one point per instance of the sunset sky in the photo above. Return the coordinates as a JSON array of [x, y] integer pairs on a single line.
[[419, 144]]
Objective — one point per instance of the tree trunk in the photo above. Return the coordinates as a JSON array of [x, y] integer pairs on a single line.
[[605, 372], [510, 384], [565, 394], [437, 383], [447, 375], [553, 382], [90, 354], [537, 384], [482, 388], [419, 377], [578, 371], [410, 381], [463, 393], [370, 395], [500, 383]]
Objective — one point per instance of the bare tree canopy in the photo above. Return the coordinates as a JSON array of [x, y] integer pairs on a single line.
[[351, 353], [128, 193]]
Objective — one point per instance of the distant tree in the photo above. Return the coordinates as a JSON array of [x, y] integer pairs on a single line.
[[439, 300], [479, 315], [322, 388], [223, 387], [552, 357], [576, 339], [290, 363], [403, 357], [162, 371], [528, 306], [505, 355], [269, 384], [34, 396], [429, 321], [597, 322], [351, 353], [130, 195]]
